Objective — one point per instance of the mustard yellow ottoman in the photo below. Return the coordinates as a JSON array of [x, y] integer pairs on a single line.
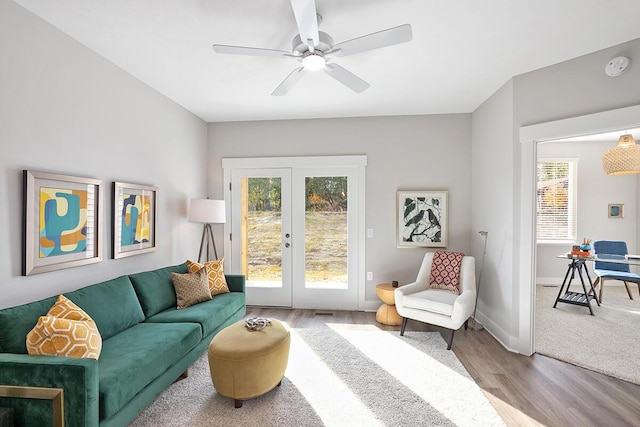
[[245, 364]]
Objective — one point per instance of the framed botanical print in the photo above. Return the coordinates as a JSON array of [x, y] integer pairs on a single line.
[[134, 219], [62, 217], [422, 219]]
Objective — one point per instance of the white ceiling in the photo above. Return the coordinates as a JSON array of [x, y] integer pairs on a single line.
[[462, 51]]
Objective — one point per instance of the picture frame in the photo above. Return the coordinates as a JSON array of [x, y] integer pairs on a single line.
[[134, 219], [615, 210], [422, 219], [62, 221]]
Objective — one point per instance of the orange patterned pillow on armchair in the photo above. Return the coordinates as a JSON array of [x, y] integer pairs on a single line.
[[445, 271]]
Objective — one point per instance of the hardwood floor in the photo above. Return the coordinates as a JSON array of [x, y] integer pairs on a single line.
[[526, 391]]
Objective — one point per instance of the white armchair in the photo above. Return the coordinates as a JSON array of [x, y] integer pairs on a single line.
[[435, 306]]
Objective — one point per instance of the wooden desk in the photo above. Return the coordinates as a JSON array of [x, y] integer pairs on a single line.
[[387, 313]]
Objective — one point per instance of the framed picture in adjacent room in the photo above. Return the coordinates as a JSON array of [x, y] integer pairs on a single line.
[[615, 210], [62, 221], [422, 219], [134, 219]]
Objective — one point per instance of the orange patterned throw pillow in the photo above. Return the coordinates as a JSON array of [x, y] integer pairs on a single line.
[[217, 282], [66, 330], [445, 271]]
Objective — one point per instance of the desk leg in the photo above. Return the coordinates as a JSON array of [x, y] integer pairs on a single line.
[[584, 288], [569, 270], [593, 289]]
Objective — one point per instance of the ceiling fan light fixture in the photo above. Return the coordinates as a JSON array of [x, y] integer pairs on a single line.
[[622, 159], [313, 62]]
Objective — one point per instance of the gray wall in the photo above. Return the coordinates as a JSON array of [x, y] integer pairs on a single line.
[[596, 190], [403, 153], [64, 109], [493, 210]]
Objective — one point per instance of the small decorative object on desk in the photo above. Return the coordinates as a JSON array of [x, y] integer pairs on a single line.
[[257, 323], [586, 245], [583, 250], [394, 283]]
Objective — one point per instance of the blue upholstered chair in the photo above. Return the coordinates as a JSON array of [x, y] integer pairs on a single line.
[[610, 270]]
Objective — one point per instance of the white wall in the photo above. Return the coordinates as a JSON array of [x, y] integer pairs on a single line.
[[66, 110], [596, 190], [493, 210], [403, 153]]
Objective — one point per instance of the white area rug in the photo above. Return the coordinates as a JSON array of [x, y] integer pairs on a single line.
[[340, 376], [607, 342]]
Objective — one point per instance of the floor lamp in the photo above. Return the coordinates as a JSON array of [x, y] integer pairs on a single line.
[[207, 212], [477, 326]]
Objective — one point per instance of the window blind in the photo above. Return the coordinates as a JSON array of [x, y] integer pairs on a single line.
[[556, 200]]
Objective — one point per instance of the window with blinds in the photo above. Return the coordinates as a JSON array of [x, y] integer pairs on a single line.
[[556, 200]]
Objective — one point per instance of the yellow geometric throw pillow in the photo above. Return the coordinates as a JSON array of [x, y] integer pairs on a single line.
[[217, 281], [66, 330]]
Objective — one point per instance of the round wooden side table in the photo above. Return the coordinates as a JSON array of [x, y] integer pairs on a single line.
[[387, 313]]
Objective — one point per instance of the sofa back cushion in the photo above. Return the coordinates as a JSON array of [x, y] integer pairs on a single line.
[[16, 322], [155, 288], [113, 305]]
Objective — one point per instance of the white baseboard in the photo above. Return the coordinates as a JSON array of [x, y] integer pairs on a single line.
[[498, 333], [555, 281], [372, 305]]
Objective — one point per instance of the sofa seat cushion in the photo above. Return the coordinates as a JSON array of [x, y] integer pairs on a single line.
[[436, 301], [155, 288], [113, 305], [209, 314], [135, 357]]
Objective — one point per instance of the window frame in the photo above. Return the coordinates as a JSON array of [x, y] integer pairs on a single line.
[[572, 195]]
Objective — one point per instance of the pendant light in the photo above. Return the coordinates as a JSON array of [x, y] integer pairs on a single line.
[[624, 158]]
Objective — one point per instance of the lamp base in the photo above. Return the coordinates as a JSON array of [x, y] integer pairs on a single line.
[[474, 325], [207, 239]]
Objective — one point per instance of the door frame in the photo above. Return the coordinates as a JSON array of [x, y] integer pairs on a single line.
[[353, 161], [530, 136]]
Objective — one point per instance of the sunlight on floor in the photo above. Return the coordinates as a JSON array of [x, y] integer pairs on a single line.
[[440, 385], [324, 391], [515, 416]]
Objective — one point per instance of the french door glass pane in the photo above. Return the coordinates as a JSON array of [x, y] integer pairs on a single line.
[[262, 231], [326, 237]]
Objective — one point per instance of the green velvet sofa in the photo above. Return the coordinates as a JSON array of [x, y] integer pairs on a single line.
[[147, 345]]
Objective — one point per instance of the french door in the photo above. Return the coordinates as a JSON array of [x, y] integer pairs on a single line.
[[261, 234], [295, 233]]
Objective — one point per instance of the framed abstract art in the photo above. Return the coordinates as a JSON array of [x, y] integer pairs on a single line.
[[422, 219], [62, 221], [615, 210], [134, 219]]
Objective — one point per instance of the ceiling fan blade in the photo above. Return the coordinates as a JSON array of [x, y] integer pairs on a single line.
[[305, 13], [253, 51], [384, 38], [347, 78], [286, 85]]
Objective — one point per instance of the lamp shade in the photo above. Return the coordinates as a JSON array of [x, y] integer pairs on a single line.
[[624, 158], [207, 211]]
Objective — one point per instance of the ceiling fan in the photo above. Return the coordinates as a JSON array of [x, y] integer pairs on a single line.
[[314, 49]]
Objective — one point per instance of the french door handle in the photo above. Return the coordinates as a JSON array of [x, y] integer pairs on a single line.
[[286, 245], [287, 235]]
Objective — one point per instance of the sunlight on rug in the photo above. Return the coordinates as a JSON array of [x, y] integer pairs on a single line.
[[337, 376]]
